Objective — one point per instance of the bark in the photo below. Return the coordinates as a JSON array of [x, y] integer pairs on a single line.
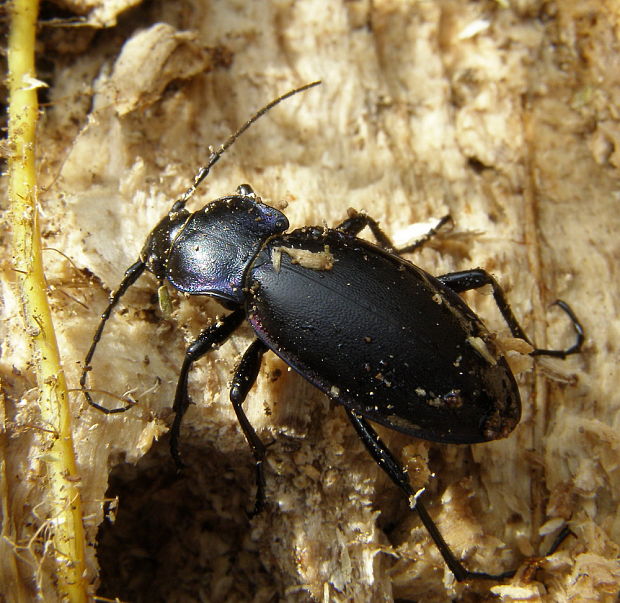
[[503, 115]]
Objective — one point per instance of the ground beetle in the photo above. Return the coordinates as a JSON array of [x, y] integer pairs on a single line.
[[375, 333]]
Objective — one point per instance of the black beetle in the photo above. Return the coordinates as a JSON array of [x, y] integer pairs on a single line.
[[375, 333]]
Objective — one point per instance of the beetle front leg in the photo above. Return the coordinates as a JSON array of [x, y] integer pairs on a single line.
[[396, 472], [243, 380], [474, 279], [357, 221], [211, 337]]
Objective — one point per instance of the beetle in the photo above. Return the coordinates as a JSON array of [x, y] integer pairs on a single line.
[[388, 341]]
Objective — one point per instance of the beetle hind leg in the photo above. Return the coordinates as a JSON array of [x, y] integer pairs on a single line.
[[474, 279], [395, 471]]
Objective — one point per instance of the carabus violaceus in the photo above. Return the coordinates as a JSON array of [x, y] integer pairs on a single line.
[[404, 350]]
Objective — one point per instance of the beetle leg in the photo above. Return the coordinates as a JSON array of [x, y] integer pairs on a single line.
[[357, 221], [243, 380], [474, 279], [425, 238], [211, 337], [395, 471]]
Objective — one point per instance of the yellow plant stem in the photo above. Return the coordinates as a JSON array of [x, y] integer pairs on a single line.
[[65, 507]]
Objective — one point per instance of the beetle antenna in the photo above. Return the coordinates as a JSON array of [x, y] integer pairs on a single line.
[[131, 276], [215, 155]]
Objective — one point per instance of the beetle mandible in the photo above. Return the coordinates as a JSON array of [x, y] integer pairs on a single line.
[[404, 349]]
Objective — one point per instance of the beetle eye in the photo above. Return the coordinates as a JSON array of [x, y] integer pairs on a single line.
[[281, 224]]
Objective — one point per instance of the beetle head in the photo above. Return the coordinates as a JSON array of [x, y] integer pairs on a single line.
[[207, 252], [155, 252]]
